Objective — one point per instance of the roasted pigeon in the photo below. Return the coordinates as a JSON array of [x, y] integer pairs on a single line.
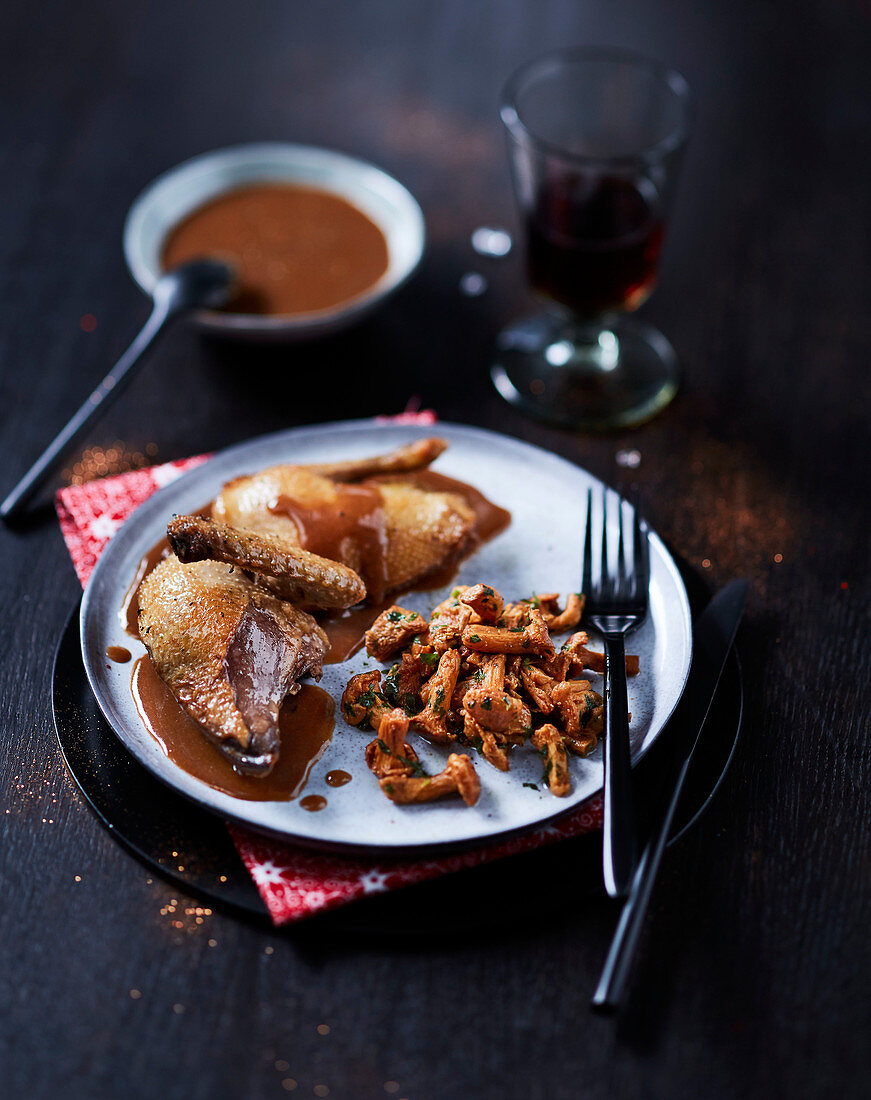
[[393, 533], [225, 616], [231, 651]]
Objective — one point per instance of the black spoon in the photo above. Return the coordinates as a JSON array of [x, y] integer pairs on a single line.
[[199, 284]]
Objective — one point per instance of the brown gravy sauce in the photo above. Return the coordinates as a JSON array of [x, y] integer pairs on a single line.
[[118, 653], [354, 519], [295, 249], [313, 802], [306, 725], [337, 778], [345, 629]]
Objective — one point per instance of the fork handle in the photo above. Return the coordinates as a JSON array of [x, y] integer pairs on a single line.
[[619, 840]]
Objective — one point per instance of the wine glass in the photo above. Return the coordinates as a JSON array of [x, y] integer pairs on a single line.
[[595, 139]]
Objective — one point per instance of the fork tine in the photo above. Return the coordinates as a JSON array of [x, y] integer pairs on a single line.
[[622, 575], [587, 567], [606, 581], [641, 564]]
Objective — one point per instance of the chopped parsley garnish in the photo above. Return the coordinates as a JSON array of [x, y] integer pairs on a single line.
[[474, 637], [534, 786], [407, 700]]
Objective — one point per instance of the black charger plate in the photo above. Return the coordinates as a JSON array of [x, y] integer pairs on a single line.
[[167, 832]]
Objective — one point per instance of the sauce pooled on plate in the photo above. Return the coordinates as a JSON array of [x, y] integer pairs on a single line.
[[305, 723]]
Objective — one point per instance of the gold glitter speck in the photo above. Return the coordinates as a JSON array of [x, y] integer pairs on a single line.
[[98, 462], [323, 1029], [282, 1066]]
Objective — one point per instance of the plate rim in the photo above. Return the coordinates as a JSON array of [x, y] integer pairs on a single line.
[[388, 848]]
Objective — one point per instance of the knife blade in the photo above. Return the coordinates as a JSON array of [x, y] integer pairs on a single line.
[[714, 635]]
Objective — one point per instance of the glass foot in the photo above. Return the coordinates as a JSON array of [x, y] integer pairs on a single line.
[[587, 377]]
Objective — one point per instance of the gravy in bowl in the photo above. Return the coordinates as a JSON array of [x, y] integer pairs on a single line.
[[296, 249]]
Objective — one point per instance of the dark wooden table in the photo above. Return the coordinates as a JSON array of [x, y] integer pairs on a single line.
[[756, 973]]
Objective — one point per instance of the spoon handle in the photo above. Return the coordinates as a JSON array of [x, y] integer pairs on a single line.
[[111, 387]]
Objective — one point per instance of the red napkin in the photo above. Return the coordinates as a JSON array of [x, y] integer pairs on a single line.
[[293, 882]]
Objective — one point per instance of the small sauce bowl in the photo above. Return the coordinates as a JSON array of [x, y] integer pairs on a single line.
[[181, 190]]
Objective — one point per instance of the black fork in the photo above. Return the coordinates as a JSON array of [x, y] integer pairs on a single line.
[[616, 605]]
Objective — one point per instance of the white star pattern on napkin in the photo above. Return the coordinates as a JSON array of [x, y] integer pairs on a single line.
[[104, 527]]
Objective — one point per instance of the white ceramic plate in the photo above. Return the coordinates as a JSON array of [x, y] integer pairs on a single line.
[[540, 551], [178, 192]]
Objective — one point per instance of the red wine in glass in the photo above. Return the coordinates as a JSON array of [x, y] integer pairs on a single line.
[[593, 242]]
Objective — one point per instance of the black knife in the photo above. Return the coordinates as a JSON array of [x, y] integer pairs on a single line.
[[714, 635]]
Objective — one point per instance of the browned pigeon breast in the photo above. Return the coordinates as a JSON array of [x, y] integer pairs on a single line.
[[229, 651]]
